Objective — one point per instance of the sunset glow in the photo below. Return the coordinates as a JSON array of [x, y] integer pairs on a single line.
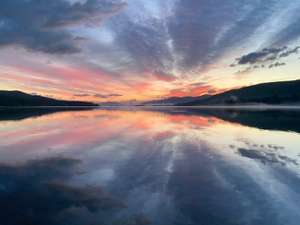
[[119, 50]]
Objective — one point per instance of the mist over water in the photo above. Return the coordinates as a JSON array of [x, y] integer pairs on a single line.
[[162, 166]]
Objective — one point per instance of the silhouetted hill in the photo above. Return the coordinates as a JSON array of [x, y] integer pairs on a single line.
[[287, 92], [20, 99]]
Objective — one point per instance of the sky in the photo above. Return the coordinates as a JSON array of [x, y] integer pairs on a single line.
[[121, 50]]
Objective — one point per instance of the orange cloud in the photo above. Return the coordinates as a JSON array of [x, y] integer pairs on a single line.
[[73, 83], [193, 90]]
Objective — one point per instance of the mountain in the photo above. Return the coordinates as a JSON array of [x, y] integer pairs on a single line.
[[275, 93], [176, 100], [20, 99]]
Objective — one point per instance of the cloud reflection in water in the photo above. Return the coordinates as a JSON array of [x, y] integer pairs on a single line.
[[147, 167]]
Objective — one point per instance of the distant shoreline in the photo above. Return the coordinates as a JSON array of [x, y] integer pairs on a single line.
[[216, 107], [44, 107]]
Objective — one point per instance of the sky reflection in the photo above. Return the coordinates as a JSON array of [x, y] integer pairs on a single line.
[[147, 167]]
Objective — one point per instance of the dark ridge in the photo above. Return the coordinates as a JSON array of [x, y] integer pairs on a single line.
[[275, 93], [20, 99]]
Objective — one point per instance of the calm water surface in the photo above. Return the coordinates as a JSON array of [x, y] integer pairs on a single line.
[[134, 167]]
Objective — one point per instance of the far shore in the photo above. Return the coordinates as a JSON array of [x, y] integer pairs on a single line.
[[216, 107]]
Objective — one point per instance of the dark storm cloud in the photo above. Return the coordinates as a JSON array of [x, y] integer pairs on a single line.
[[37, 193], [40, 25]]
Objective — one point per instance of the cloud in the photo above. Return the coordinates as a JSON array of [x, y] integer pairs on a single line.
[[259, 59], [82, 95], [203, 31], [291, 32], [277, 64], [196, 89], [146, 44], [163, 76], [107, 95], [267, 54], [193, 28], [42, 25], [198, 84], [98, 95], [187, 36], [290, 52], [148, 41]]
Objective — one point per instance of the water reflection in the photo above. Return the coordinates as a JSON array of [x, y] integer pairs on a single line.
[[37, 193], [162, 166]]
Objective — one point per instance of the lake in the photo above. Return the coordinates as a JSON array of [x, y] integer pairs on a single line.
[[166, 166]]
